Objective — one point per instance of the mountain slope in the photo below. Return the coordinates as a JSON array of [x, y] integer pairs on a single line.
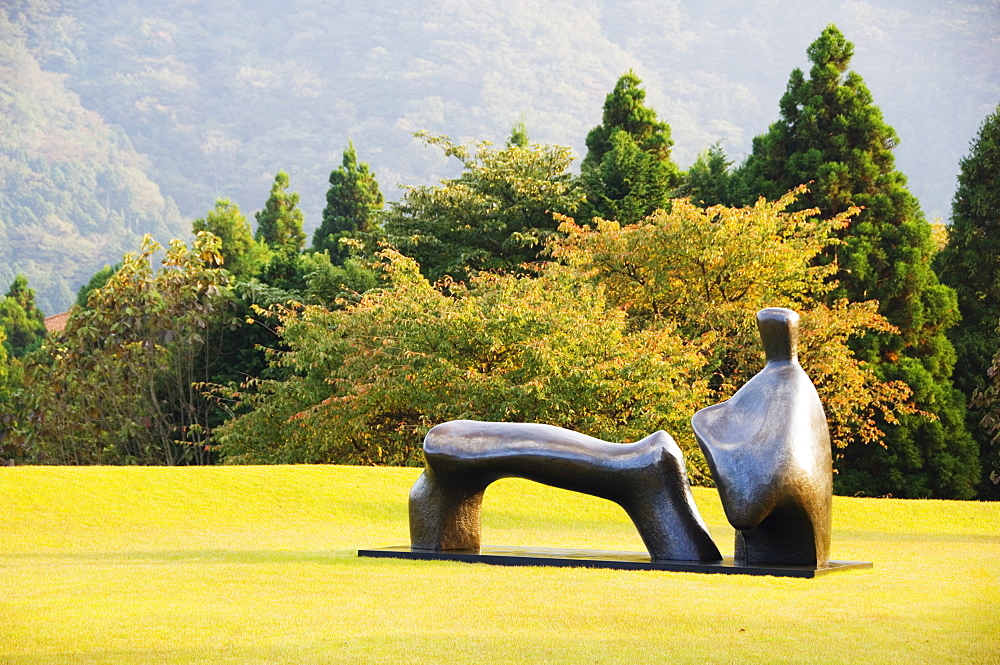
[[73, 193], [220, 95]]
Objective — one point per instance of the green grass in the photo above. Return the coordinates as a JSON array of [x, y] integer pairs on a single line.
[[257, 564]]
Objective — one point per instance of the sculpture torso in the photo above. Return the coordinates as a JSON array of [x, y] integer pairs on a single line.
[[769, 451]]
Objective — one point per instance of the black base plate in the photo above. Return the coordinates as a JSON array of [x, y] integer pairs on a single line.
[[535, 556]]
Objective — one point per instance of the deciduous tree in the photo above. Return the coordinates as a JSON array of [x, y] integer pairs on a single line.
[[368, 381], [495, 216], [242, 256], [706, 272], [96, 281], [7, 410], [117, 385]]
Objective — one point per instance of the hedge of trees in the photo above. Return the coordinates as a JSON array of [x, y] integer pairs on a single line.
[[616, 302]]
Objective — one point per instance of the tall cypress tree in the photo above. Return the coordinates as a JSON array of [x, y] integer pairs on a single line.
[[279, 224], [628, 172], [352, 203], [970, 264], [833, 136]]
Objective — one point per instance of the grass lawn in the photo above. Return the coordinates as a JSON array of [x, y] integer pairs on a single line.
[[258, 564]]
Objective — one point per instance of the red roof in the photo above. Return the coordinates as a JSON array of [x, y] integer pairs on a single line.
[[56, 322]]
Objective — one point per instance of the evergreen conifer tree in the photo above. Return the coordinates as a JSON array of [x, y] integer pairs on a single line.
[[970, 264], [707, 182], [628, 172], [352, 203], [833, 136], [21, 320], [279, 224], [518, 135]]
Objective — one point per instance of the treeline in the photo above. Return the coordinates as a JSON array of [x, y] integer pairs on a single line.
[[615, 303]]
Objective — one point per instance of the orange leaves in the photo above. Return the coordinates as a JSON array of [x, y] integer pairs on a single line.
[[708, 271], [543, 349]]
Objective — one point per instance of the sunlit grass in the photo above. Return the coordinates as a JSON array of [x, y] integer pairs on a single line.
[[257, 564]]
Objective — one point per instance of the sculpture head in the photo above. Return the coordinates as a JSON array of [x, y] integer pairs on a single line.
[[779, 332]]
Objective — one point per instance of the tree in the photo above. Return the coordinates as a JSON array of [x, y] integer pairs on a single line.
[[245, 259], [333, 285], [706, 272], [242, 256], [21, 320], [96, 281], [970, 264], [708, 181], [831, 134], [7, 411], [628, 172], [495, 216], [117, 385], [370, 380], [986, 401], [279, 224], [518, 136], [279, 227], [352, 204]]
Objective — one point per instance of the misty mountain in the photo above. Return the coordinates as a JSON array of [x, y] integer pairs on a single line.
[[74, 194], [218, 96]]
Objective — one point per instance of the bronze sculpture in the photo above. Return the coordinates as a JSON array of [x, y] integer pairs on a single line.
[[768, 448], [646, 478], [769, 451]]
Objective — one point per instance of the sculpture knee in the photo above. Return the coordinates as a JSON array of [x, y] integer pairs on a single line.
[[663, 508]]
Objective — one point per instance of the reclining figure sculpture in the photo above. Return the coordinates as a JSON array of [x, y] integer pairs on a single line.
[[646, 478], [769, 451], [768, 448]]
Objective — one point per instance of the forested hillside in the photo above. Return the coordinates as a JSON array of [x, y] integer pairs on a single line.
[[74, 194], [219, 96]]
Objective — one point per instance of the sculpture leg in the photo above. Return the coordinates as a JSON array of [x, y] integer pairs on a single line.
[[664, 511], [786, 537], [445, 516]]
